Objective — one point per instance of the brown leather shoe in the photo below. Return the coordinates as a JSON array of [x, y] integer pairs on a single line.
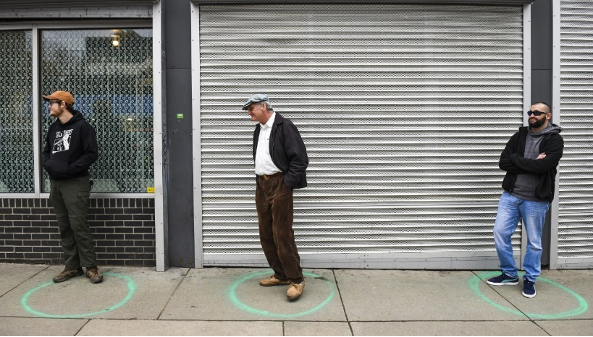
[[273, 281], [295, 290], [67, 274], [94, 274]]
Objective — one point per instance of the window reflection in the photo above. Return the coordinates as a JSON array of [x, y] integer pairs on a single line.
[[112, 86], [16, 126]]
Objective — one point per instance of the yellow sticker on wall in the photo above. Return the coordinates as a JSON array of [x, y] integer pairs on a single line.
[[150, 190]]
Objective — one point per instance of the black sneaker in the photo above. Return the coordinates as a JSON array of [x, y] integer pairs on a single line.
[[528, 289], [67, 274], [503, 280]]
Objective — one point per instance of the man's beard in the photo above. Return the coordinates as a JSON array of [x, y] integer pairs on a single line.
[[537, 123]]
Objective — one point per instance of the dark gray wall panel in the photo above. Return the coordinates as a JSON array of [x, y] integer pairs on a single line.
[[179, 133], [541, 86], [178, 34], [181, 232], [541, 35]]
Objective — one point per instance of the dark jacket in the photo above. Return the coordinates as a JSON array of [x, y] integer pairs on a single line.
[[70, 148], [287, 150], [512, 161]]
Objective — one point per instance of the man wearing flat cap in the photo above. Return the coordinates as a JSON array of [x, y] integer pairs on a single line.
[[70, 149], [280, 163]]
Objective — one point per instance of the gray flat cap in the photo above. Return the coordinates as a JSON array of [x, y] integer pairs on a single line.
[[256, 98]]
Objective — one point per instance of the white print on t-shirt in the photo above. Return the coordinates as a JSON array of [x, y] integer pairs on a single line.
[[62, 141]]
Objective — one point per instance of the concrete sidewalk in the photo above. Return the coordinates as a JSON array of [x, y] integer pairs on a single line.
[[229, 301]]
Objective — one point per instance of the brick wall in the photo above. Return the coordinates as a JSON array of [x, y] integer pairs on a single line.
[[123, 230]]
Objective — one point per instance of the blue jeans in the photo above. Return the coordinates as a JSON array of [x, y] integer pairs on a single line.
[[510, 210]]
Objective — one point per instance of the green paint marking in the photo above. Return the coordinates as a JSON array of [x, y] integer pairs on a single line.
[[131, 289], [474, 284], [243, 306]]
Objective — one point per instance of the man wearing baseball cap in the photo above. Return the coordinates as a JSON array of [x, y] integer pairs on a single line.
[[280, 163], [70, 149]]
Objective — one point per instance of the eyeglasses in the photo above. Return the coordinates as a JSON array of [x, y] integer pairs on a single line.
[[536, 113], [52, 101]]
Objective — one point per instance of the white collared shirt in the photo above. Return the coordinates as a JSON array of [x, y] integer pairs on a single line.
[[263, 160]]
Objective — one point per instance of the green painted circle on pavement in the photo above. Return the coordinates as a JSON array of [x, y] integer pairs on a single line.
[[243, 306], [131, 289], [582, 307]]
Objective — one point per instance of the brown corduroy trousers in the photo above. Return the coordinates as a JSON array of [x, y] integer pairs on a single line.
[[274, 203]]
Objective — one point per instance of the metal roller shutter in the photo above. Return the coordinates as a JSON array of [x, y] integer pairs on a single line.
[[575, 213], [404, 110]]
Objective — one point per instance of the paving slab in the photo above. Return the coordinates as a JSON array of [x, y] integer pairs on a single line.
[[447, 328], [99, 327], [575, 327], [235, 294], [126, 293], [20, 326], [399, 295], [317, 329], [560, 295], [11, 275]]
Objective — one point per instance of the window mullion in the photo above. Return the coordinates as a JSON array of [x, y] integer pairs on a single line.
[[36, 110]]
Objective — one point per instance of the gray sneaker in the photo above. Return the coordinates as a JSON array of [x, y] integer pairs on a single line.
[[94, 274], [67, 274]]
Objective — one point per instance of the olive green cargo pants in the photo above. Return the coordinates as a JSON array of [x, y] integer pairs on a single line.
[[70, 199]]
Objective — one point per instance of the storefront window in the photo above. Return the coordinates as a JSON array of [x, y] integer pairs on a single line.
[[109, 72], [16, 136]]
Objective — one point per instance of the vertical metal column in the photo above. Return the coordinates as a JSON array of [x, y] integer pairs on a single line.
[[196, 138], [160, 203]]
